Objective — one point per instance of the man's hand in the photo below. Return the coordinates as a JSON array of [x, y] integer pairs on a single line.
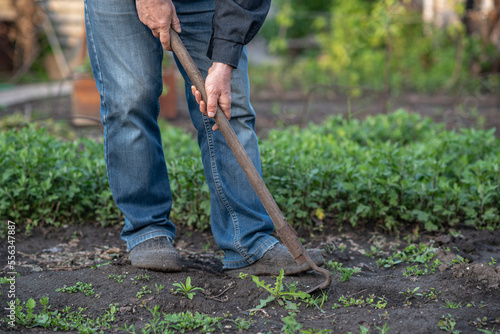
[[218, 87], [159, 16]]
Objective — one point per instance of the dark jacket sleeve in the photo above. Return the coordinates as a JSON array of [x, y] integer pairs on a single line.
[[235, 23]]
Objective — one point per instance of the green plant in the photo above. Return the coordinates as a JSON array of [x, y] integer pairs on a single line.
[[144, 277], [492, 331], [479, 322], [158, 288], [448, 324], [62, 320], [176, 323], [143, 291], [409, 293], [315, 331], [242, 323], [290, 325], [242, 275], [493, 262], [85, 288], [361, 302], [344, 273], [277, 292], [118, 278], [186, 289], [449, 304], [384, 329], [459, 259]]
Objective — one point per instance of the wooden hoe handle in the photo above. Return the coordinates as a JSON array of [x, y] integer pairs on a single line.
[[287, 234]]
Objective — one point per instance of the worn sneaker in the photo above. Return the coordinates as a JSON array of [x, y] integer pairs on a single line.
[[275, 259], [156, 254]]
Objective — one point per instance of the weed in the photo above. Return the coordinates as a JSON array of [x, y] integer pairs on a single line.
[[459, 260], [277, 293], [143, 277], [206, 246], [186, 289], [409, 293], [361, 302], [479, 322], [143, 291], [493, 262], [176, 323], [449, 304], [420, 253], [315, 331], [158, 288], [384, 329], [242, 275], [492, 331], [85, 288], [344, 273], [319, 301], [64, 320], [473, 304], [243, 323], [118, 278], [384, 315], [362, 330], [291, 325], [448, 324]]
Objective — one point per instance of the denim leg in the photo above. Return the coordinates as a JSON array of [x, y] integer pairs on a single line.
[[240, 224], [126, 63]]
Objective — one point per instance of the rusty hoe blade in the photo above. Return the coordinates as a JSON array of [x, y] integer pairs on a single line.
[[287, 234]]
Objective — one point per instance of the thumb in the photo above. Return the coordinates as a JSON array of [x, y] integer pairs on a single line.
[[176, 24]]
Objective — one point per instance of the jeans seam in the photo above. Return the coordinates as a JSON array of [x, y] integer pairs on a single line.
[[215, 175], [99, 77], [143, 235]]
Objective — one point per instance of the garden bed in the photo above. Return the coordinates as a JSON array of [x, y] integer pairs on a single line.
[[463, 295]]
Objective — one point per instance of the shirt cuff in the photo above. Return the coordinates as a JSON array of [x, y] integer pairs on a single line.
[[224, 51]]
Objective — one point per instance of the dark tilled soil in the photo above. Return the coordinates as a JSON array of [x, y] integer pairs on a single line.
[[49, 259]]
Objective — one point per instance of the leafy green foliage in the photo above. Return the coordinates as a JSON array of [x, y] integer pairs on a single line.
[[389, 170], [85, 288], [277, 293], [186, 289], [64, 320], [177, 323]]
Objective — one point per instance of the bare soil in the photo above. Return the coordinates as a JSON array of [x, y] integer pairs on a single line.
[[51, 258]]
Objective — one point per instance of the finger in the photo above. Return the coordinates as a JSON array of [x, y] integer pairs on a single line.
[[212, 104], [203, 108], [176, 24], [215, 127], [164, 36]]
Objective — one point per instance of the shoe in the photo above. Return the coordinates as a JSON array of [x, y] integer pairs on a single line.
[[156, 254], [277, 258]]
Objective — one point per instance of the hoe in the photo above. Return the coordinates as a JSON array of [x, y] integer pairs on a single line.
[[286, 232]]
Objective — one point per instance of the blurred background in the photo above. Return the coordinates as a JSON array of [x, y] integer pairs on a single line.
[[312, 59]]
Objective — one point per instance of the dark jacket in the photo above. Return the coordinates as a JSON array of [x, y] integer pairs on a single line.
[[235, 23]]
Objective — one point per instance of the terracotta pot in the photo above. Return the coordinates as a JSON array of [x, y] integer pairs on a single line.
[[168, 99], [85, 101]]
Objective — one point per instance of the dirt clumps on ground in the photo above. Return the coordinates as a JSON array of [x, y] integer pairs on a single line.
[[366, 292]]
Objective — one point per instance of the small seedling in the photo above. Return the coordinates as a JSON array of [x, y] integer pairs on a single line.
[[242, 275], [277, 293], [242, 323], [493, 262], [143, 291], [432, 294], [118, 278], [459, 260], [411, 293], [85, 288], [142, 277], [158, 288], [384, 329], [473, 304], [479, 322], [315, 331], [448, 324], [186, 289], [450, 304], [492, 331], [206, 246]]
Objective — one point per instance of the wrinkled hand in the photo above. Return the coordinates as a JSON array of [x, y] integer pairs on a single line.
[[159, 16], [218, 87]]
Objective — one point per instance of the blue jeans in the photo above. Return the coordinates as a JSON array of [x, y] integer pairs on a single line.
[[126, 62]]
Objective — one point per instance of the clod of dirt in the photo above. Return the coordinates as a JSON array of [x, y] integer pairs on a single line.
[[482, 273], [443, 239]]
